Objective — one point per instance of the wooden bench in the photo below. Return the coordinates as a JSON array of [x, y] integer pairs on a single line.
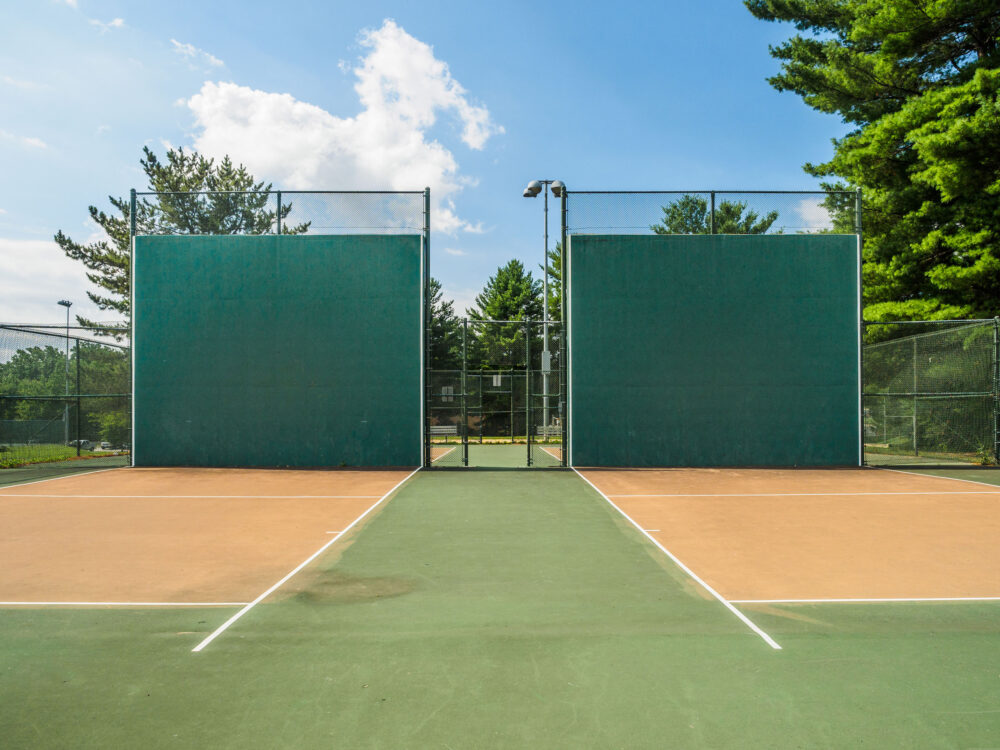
[[444, 429]]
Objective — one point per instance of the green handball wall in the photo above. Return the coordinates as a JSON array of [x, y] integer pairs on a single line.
[[277, 351], [714, 350]]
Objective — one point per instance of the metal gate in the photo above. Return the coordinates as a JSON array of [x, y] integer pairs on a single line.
[[496, 395]]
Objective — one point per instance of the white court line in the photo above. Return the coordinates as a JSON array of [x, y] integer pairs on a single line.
[[862, 601], [64, 476], [335, 532], [122, 604], [443, 454], [558, 458], [932, 476], [746, 620], [224, 626], [196, 497], [813, 494]]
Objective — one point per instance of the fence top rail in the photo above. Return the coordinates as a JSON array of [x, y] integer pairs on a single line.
[[59, 332], [507, 322], [283, 192], [688, 192], [926, 322]]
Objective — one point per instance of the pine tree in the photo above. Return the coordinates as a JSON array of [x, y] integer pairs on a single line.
[[239, 205]]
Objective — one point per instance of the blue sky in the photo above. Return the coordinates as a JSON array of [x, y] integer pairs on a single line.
[[474, 99]]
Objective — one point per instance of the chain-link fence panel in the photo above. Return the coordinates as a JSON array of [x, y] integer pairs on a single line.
[[712, 212], [64, 398], [930, 392], [262, 212]]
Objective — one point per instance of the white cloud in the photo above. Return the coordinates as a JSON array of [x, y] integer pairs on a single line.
[[193, 55], [70, 3], [815, 216], [19, 83], [3, 211], [23, 140], [114, 23], [102, 129], [36, 273], [402, 88], [455, 251]]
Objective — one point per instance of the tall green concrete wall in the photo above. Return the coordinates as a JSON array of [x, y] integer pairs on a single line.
[[277, 351], [714, 350]]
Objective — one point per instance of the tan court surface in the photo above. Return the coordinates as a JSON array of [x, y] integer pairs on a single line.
[[818, 534], [168, 535]]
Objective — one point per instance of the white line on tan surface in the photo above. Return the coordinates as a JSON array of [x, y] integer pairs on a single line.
[[746, 620], [195, 497], [444, 454], [224, 626], [808, 494], [122, 604], [932, 476]]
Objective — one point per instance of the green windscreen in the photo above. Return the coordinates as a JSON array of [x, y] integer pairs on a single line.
[[277, 351], [714, 350]]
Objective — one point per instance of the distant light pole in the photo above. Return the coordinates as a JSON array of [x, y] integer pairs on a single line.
[[67, 304], [534, 188]]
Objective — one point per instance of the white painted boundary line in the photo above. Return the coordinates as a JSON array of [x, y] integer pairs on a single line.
[[746, 620], [443, 454], [224, 626], [64, 476], [817, 494], [122, 604], [199, 497], [558, 458], [934, 476], [863, 601]]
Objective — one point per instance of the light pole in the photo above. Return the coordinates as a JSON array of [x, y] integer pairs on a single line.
[[534, 188], [67, 304]]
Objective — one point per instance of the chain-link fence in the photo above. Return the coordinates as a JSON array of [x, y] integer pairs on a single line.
[[65, 399], [497, 388], [712, 212], [279, 212], [930, 392]]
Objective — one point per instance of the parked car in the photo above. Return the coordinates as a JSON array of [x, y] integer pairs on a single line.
[[85, 445], [105, 445]]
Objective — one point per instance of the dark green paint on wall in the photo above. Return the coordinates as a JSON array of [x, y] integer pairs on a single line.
[[714, 350], [277, 351]]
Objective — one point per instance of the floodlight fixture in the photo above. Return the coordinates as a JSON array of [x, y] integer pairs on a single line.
[[533, 189], [557, 188]]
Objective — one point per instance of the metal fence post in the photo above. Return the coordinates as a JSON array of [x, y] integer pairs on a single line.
[[564, 338], [465, 392], [996, 390], [527, 388], [78, 397], [711, 216], [427, 325], [916, 452], [131, 325], [861, 329], [278, 215]]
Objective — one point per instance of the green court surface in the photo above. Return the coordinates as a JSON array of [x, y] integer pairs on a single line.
[[501, 610]]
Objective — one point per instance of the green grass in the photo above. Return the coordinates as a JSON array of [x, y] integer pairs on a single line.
[[501, 610], [22, 455]]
